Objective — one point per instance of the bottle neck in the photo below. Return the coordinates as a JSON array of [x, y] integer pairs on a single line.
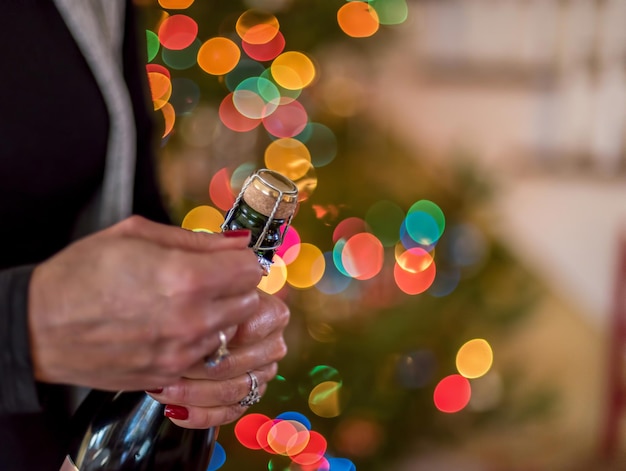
[[244, 217]]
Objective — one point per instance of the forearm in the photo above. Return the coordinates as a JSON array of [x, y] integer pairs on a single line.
[[18, 389]]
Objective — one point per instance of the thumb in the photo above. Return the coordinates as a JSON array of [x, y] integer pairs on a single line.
[[178, 238]]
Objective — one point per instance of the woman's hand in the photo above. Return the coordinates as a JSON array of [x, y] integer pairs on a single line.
[[208, 397], [136, 305]]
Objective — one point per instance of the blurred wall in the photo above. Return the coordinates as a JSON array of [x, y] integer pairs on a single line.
[[535, 92]]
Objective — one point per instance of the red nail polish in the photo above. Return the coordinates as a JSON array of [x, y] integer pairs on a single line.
[[237, 233], [155, 391], [176, 412]]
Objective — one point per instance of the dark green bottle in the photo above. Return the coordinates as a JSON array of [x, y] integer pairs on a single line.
[[265, 206]]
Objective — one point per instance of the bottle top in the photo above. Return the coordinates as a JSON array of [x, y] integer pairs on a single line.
[[268, 189]]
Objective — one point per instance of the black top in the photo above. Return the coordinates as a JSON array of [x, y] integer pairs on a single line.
[[53, 134]]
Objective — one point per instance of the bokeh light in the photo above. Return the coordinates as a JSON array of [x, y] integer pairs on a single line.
[[203, 219], [265, 51], [433, 210], [391, 12], [257, 26], [218, 56], [487, 392], [313, 451], [307, 268], [153, 44], [160, 88], [422, 228], [245, 68], [291, 242], [178, 32], [285, 120], [349, 227], [247, 428], [474, 358], [341, 464], [293, 70], [358, 19], [414, 271], [357, 436], [169, 116], [321, 142], [362, 256], [176, 4], [233, 119], [220, 191], [295, 415], [334, 280], [325, 399], [288, 153], [276, 279], [446, 281], [218, 457], [317, 375], [288, 437], [256, 97], [385, 218], [452, 393], [181, 59]]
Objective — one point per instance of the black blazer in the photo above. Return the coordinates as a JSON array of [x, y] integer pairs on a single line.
[[53, 133]]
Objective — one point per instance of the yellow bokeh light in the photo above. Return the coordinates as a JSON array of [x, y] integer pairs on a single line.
[[203, 218], [160, 89], [277, 277], [308, 267], [287, 437], [293, 70], [474, 358], [324, 400], [288, 156]]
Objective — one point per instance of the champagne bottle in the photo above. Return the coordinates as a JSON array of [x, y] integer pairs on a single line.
[[127, 430]]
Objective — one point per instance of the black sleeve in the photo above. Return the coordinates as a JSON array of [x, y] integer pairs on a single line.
[[18, 389]]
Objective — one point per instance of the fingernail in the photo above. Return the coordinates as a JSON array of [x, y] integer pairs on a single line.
[[176, 412], [155, 391], [237, 233]]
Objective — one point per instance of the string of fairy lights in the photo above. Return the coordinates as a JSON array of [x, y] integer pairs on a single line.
[[263, 81]]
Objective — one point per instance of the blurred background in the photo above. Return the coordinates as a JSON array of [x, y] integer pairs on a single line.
[[456, 270]]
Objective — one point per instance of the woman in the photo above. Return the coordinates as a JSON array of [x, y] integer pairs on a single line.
[[96, 289]]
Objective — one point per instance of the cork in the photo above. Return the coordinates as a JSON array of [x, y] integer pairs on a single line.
[[266, 188]]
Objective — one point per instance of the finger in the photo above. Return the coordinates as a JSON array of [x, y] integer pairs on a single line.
[[273, 315], [272, 349], [199, 320], [217, 274], [208, 393], [186, 341], [203, 418], [177, 237]]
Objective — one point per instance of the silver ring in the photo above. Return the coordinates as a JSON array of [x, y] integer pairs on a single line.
[[218, 356], [253, 395]]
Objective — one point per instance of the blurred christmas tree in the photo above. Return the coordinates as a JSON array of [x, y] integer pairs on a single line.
[[404, 291]]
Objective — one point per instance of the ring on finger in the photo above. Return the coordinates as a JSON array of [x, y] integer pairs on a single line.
[[253, 395], [218, 356]]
